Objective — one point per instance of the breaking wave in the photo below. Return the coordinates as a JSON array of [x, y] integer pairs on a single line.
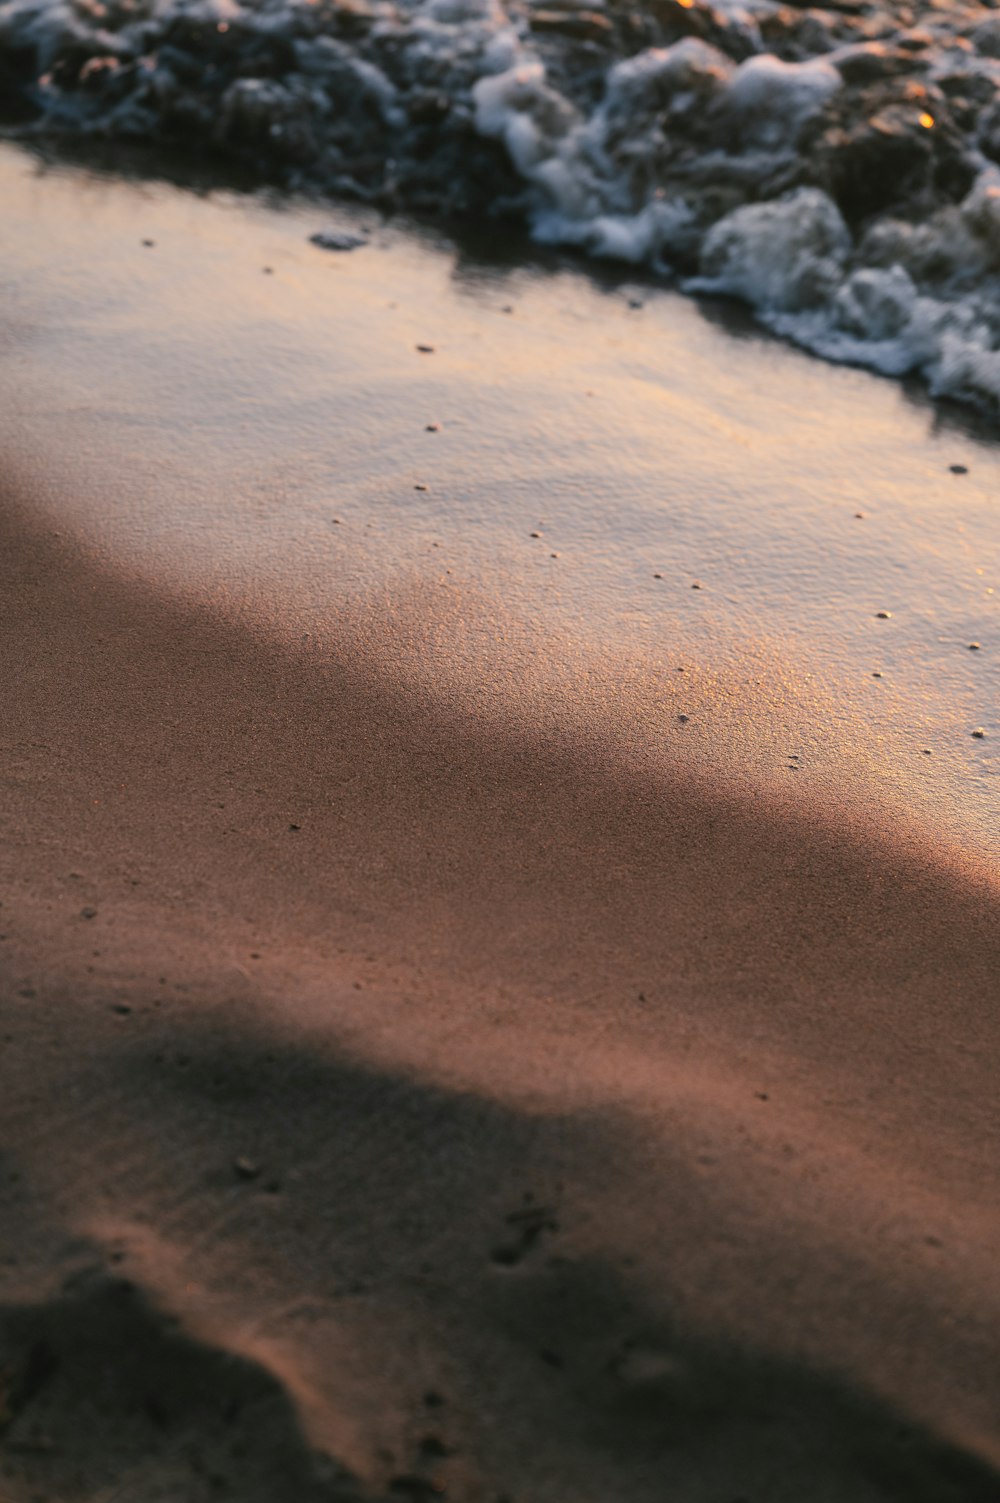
[[837, 169]]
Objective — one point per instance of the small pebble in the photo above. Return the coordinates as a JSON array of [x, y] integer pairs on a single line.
[[419, 487], [295, 827], [553, 555], [876, 674], [635, 302], [122, 1009], [337, 240], [535, 534], [927, 751], [973, 646], [245, 1168], [149, 244], [657, 576], [696, 584], [268, 271], [425, 349], [979, 733], [684, 719], [959, 469], [860, 515], [88, 913], [884, 615], [433, 428]]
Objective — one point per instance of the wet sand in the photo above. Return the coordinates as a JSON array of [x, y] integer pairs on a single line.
[[447, 1050]]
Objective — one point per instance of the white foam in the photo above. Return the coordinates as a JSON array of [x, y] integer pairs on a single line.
[[686, 157], [770, 100]]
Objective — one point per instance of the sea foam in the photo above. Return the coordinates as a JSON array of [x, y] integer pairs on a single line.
[[837, 170]]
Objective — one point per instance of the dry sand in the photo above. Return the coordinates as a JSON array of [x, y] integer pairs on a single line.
[[431, 1066]]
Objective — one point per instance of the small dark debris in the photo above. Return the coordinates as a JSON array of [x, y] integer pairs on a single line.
[[122, 1009], [245, 1168], [149, 244], [268, 271], [433, 1445], [684, 719], [635, 302], [433, 428], [959, 469], [876, 674], [762, 1096], [420, 487], [883, 615], [979, 733], [88, 913], [974, 646], [337, 240], [295, 827], [657, 576], [696, 584], [860, 515], [536, 534], [413, 1486], [425, 349]]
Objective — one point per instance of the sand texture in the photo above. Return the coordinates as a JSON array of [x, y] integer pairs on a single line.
[[448, 1052]]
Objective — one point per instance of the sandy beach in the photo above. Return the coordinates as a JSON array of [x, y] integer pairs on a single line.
[[501, 926]]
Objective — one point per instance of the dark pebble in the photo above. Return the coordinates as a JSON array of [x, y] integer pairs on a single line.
[[884, 615], [88, 913], [425, 349], [337, 240], [245, 1168], [959, 469]]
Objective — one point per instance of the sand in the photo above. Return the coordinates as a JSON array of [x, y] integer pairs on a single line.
[[447, 1051]]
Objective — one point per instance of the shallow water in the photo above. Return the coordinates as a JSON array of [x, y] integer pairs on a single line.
[[836, 169], [203, 419]]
